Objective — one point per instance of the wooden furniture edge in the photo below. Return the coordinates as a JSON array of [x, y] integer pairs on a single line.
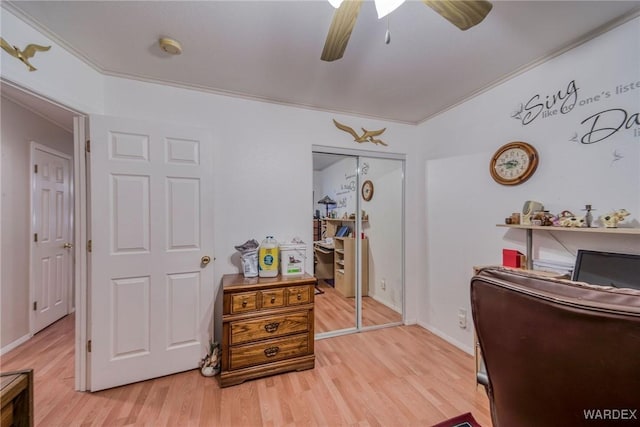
[[238, 376]]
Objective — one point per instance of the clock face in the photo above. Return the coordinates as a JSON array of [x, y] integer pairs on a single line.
[[367, 190], [514, 163]]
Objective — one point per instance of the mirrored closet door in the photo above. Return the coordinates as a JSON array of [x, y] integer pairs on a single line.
[[335, 198], [381, 202], [358, 241]]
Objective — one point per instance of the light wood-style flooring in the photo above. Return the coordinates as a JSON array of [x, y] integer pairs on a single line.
[[333, 312], [399, 376]]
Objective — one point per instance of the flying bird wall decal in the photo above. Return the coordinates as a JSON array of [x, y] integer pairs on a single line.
[[23, 55], [367, 135]]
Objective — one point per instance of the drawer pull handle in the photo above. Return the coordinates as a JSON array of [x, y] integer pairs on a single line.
[[271, 327], [273, 299], [271, 351], [244, 303], [299, 296]]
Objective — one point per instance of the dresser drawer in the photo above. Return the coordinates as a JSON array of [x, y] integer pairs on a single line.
[[273, 298], [268, 351], [243, 302], [269, 327], [299, 295]]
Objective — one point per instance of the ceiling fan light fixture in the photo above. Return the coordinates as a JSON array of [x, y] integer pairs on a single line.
[[385, 7]]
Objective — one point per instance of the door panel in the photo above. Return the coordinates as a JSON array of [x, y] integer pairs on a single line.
[[336, 306], [152, 214], [383, 302], [51, 253], [130, 216]]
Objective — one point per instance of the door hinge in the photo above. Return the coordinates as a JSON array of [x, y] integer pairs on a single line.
[[35, 306], [35, 237], [35, 168], [87, 146], [89, 346], [89, 245]]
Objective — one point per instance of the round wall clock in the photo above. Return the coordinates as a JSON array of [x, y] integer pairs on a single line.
[[513, 163], [367, 190]]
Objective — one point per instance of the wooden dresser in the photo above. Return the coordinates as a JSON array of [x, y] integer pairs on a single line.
[[267, 326], [16, 393]]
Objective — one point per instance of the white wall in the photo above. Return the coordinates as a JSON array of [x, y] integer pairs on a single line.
[[338, 181], [263, 170], [19, 127], [464, 204], [263, 151], [452, 203]]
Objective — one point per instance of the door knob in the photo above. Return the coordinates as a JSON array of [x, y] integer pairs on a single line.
[[205, 260], [67, 245]]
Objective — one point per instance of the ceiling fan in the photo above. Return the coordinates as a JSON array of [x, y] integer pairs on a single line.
[[463, 14]]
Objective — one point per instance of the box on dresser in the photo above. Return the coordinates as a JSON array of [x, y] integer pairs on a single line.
[[267, 326]]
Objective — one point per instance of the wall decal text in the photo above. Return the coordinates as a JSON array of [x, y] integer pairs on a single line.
[[597, 126]]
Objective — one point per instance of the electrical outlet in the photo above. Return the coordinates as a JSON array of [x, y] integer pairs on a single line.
[[462, 318], [383, 284]]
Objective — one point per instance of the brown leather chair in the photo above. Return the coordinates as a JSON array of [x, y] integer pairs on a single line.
[[557, 352]]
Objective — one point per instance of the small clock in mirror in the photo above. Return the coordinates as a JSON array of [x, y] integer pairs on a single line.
[[367, 190]]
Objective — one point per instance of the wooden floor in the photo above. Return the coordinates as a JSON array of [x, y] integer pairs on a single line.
[[399, 376], [333, 312]]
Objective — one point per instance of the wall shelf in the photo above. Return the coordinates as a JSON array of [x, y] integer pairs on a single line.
[[530, 228], [620, 230]]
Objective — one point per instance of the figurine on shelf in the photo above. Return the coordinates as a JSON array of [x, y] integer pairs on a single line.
[[612, 219], [568, 219], [588, 216], [542, 218]]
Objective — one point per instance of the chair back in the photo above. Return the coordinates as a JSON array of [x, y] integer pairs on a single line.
[[557, 352]]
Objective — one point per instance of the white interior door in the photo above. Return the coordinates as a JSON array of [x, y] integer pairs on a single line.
[[51, 255], [151, 296]]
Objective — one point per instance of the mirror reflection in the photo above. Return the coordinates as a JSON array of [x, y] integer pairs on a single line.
[[376, 195]]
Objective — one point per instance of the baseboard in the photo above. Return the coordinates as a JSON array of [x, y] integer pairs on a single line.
[[386, 303], [7, 348], [467, 349]]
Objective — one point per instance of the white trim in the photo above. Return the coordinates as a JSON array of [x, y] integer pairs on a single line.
[[447, 338], [324, 149], [7, 348], [386, 303], [14, 85], [80, 254]]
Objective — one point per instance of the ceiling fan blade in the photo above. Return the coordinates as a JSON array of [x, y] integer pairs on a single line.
[[342, 24], [462, 14]]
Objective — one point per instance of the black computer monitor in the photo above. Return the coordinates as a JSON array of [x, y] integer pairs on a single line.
[[607, 269]]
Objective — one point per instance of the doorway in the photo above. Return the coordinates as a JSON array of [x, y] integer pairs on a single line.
[[27, 116], [358, 221]]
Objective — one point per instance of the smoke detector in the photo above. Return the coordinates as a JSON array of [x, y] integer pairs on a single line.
[[170, 46]]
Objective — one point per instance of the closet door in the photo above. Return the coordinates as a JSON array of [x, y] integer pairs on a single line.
[[382, 247], [335, 180], [366, 286]]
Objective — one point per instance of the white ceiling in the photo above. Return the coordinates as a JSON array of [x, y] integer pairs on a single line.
[[270, 50]]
